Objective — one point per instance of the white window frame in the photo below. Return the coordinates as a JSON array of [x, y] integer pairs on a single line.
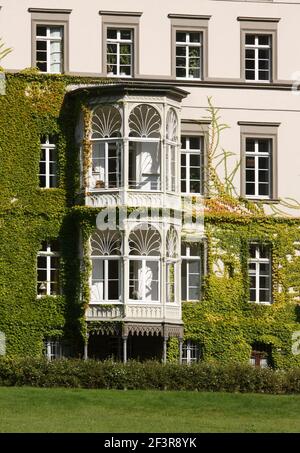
[[188, 44], [257, 273], [105, 260], [144, 260], [191, 258], [47, 146], [49, 254], [48, 40], [256, 155], [119, 41], [187, 348], [53, 349], [119, 160], [256, 47], [187, 152], [132, 184]]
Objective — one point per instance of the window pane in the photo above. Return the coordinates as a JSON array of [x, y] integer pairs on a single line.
[[126, 34], [250, 39], [41, 30], [263, 40], [111, 33], [180, 72], [180, 51], [180, 36], [195, 37]]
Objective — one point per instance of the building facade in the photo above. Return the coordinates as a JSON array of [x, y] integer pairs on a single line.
[[149, 180]]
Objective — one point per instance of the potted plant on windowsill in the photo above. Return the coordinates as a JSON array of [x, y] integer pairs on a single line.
[[99, 184]]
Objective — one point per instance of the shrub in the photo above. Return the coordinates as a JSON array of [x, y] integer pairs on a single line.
[[146, 375]]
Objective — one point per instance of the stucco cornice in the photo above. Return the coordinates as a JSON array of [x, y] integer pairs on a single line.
[[49, 11], [256, 124], [120, 13], [188, 16], [258, 19]]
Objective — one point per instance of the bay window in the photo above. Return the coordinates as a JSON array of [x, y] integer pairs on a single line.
[[171, 151]]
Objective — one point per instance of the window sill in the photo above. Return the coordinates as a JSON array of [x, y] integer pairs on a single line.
[[260, 303], [262, 200]]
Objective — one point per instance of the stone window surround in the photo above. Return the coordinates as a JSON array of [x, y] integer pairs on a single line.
[[187, 22], [198, 128], [260, 25], [56, 17], [260, 130], [121, 19]]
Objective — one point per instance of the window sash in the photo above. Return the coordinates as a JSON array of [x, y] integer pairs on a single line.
[[103, 283], [257, 60], [187, 181], [258, 181], [50, 52], [118, 42], [259, 269], [108, 164], [190, 352], [50, 269], [144, 172], [48, 178], [187, 47], [187, 274], [171, 168]]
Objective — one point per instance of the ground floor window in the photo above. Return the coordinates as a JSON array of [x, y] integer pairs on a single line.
[[190, 352], [260, 355], [53, 349]]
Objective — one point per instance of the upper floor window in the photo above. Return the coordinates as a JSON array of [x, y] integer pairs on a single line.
[[258, 167], [191, 271], [258, 57], [191, 165], [144, 264], [119, 55], [188, 55], [106, 266], [259, 271], [190, 352], [259, 49], [48, 162], [48, 269], [49, 48]]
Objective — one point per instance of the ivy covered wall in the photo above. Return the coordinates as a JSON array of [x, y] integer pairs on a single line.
[[224, 322]]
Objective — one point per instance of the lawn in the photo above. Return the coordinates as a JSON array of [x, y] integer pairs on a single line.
[[77, 410]]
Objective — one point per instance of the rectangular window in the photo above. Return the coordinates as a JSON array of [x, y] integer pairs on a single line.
[[49, 48], [48, 269], [192, 165], [106, 165], [144, 280], [258, 57], [188, 55], [259, 271], [105, 280], [119, 52], [258, 165], [48, 162], [170, 281], [191, 272], [144, 165], [171, 168], [53, 349], [190, 352]]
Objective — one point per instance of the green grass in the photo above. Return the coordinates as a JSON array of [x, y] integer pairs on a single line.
[[77, 410]]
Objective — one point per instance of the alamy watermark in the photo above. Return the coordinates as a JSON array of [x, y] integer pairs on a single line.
[[190, 216]]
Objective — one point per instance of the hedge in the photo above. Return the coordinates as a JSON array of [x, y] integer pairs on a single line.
[[91, 374]]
